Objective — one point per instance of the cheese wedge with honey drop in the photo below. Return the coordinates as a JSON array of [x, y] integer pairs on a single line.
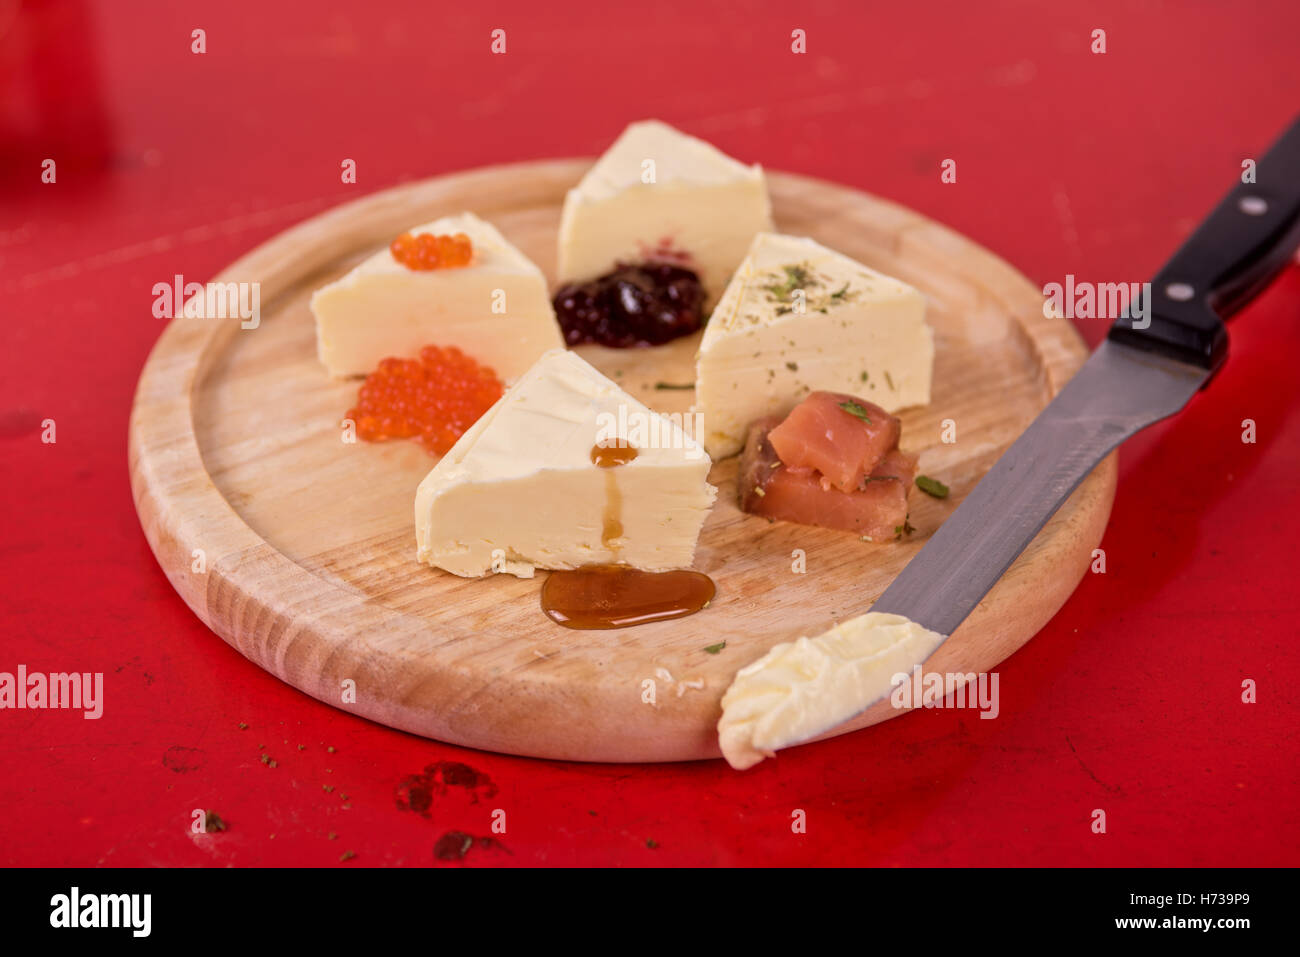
[[534, 483]]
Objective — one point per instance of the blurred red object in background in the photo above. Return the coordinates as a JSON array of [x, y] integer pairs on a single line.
[[51, 97]]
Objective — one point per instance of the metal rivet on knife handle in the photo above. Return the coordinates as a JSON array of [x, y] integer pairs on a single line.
[[1229, 259]]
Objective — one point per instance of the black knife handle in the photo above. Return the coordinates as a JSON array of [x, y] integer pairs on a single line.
[[1232, 256]]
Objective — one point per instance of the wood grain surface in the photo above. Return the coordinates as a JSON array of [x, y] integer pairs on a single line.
[[299, 549]]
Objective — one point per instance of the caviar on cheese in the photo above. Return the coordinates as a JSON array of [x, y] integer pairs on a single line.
[[434, 398], [494, 306], [423, 252]]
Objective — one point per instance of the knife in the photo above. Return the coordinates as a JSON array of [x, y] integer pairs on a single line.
[[1146, 370]]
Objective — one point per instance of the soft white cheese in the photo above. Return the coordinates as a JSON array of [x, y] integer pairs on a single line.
[[803, 688], [519, 490], [796, 318], [496, 310], [658, 189]]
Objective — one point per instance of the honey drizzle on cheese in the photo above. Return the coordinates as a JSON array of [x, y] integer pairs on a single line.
[[613, 595], [609, 457], [612, 456], [612, 529]]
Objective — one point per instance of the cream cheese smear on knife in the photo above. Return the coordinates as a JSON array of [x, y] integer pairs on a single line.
[[802, 688]]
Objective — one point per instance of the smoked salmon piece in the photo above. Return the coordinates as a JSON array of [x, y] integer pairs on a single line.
[[840, 436], [876, 510], [896, 464]]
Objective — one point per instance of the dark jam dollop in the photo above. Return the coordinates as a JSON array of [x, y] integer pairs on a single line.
[[643, 305]]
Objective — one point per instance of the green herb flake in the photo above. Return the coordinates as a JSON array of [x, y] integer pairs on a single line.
[[864, 376], [853, 409], [664, 386], [651, 843], [243, 726], [714, 649], [931, 486], [890, 380], [792, 366], [796, 277], [347, 856], [212, 822]]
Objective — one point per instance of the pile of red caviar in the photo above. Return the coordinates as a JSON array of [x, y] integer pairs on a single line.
[[425, 251], [434, 398]]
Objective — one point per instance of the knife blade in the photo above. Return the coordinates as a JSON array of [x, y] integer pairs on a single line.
[[1150, 365], [1117, 392]]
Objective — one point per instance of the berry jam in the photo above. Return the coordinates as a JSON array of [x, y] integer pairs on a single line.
[[434, 398], [643, 305]]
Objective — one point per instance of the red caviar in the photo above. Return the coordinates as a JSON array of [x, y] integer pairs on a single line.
[[434, 398], [425, 251]]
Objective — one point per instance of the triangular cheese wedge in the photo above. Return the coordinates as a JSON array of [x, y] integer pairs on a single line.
[[798, 318], [660, 194], [520, 489], [496, 310]]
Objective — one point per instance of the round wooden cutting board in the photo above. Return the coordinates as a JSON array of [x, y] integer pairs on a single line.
[[299, 548]]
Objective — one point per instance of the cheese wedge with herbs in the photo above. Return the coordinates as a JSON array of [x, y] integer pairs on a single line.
[[496, 309], [796, 318], [520, 490], [658, 194]]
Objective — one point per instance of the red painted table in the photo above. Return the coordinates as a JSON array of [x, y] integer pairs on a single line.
[[1068, 161]]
